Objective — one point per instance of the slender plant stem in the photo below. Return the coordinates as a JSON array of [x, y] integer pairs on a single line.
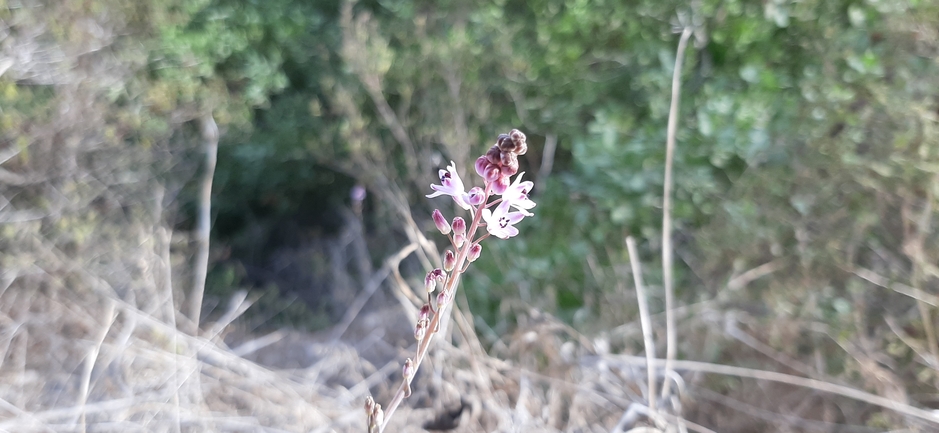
[[644, 320], [450, 288], [670, 332], [210, 136]]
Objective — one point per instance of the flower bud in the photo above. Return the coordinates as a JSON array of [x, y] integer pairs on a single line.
[[449, 260], [441, 222], [369, 405], [430, 282], [518, 137], [494, 155], [481, 163], [459, 240], [419, 330], [475, 196], [521, 149], [424, 314], [510, 167], [500, 185], [459, 226], [442, 299], [492, 173], [474, 252], [507, 158], [408, 370], [505, 143], [378, 416], [440, 275]]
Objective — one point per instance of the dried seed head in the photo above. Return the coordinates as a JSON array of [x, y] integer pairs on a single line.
[[441, 222], [449, 260], [474, 252], [459, 226]]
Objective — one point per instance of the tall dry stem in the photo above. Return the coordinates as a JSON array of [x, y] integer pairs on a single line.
[[644, 320], [670, 332]]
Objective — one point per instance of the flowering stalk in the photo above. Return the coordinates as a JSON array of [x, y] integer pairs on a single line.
[[495, 167]]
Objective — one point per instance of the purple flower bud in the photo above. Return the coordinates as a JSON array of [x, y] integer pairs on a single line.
[[419, 330], [510, 167], [476, 196], [424, 314], [430, 282], [441, 222], [481, 163], [474, 252], [459, 226], [506, 158], [459, 240], [505, 143], [440, 275], [500, 185], [408, 370], [442, 299], [494, 155], [492, 173], [518, 137], [521, 149], [449, 260]]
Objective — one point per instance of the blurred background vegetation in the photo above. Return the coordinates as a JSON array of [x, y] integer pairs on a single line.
[[806, 166]]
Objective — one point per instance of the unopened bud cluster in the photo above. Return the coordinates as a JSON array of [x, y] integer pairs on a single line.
[[501, 161]]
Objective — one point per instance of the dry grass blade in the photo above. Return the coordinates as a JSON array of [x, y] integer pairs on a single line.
[[648, 341], [856, 394]]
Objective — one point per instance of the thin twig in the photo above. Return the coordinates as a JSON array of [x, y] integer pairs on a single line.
[[648, 341], [371, 286], [670, 332], [900, 288]]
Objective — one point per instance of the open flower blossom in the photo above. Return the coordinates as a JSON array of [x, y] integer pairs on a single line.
[[501, 222], [452, 185], [517, 195]]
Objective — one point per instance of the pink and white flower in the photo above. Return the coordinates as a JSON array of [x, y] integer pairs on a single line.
[[452, 185], [517, 195], [501, 222]]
